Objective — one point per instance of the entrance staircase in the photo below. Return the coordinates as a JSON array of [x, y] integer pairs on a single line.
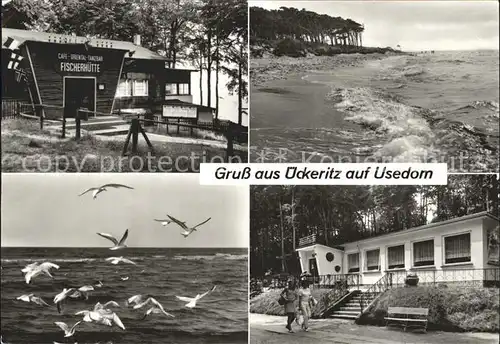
[[350, 308], [102, 125], [353, 305]]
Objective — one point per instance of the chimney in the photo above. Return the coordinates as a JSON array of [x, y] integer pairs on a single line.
[[137, 40]]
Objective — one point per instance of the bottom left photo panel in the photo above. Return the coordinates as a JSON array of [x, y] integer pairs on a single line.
[[123, 258]]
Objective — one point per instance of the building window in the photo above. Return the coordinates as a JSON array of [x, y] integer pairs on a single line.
[[457, 249], [396, 257], [184, 89], [140, 88], [423, 253], [353, 262], [124, 89], [170, 89], [372, 260]]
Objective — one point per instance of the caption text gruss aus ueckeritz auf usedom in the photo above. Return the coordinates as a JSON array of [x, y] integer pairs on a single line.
[[304, 173]]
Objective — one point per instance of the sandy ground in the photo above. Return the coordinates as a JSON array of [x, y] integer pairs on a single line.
[[275, 68], [267, 329]]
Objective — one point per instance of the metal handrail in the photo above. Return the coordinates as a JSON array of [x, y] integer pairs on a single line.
[[383, 284]]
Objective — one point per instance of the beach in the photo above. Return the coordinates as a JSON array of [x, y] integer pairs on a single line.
[[440, 107]]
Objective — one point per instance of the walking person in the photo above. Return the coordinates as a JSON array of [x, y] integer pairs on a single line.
[[289, 294], [306, 302]]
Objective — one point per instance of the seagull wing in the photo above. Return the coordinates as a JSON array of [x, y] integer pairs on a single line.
[[167, 314], [117, 321], [62, 325], [185, 299], [88, 190], [40, 301], [48, 266], [135, 299], [125, 260], [109, 237], [75, 325], [86, 288], [111, 303], [180, 223], [201, 223], [142, 304], [25, 297], [124, 237], [206, 293], [116, 186]]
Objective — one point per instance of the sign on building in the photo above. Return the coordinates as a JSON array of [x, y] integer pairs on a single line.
[[179, 111]]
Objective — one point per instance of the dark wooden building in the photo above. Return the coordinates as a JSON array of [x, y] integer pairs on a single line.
[[104, 76]]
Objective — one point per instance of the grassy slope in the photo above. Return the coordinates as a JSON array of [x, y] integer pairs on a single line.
[[22, 140], [267, 303], [451, 308]]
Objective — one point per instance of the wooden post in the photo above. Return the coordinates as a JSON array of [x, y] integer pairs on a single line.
[[282, 241], [40, 114], [135, 134], [127, 141], [77, 124], [150, 145], [178, 126], [18, 108]]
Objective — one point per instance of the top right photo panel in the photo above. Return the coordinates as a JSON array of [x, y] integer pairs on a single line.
[[375, 81]]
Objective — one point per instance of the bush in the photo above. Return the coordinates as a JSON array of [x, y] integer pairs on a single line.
[[267, 303], [290, 47], [452, 308]]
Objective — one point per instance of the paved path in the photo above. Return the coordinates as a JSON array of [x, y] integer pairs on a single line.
[[271, 330]]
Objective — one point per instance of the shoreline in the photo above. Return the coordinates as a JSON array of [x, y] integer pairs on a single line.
[[266, 69]]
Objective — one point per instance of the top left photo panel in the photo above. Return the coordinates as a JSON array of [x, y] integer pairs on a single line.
[[123, 85]]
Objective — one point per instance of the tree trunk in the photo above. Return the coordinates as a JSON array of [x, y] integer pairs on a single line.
[[240, 86], [217, 65], [282, 241], [201, 77], [209, 68]]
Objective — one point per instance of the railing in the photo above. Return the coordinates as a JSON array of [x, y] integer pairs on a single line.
[[311, 240], [10, 108], [464, 277], [335, 281], [375, 289]]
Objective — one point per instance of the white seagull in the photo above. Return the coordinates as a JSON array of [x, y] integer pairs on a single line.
[[82, 292], [191, 301], [116, 260], [33, 270], [118, 244], [155, 306], [102, 315], [187, 230], [59, 298], [102, 188], [68, 332], [32, 298], [124, 278]]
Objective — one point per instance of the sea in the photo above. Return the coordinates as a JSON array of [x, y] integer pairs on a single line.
[[219, 317], [423, 107]]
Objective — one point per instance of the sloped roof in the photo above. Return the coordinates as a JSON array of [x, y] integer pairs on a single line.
[[25, 35]]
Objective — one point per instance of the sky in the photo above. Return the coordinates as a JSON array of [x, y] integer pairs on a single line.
[[414, 25], [45, 210]]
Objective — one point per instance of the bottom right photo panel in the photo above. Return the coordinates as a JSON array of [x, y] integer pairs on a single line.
[[375, 264]]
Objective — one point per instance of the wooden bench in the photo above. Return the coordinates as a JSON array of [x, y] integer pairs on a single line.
[[408, 317]]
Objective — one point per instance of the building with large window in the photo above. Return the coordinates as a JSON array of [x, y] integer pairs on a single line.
[[104, 76], [455, 250]]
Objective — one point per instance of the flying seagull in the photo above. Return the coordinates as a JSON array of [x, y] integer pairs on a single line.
[[68, 332], [82, 292], [59, 298], [167, 221], [192, 300], [102, 188], [116, 260], [32, 298], [187, 230], [118, 244], [33, 270], [102, 315], [155, 306]]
